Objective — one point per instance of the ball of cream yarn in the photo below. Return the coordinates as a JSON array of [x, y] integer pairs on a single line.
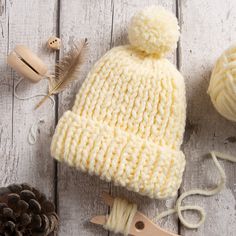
[[154, 30], [222, 88]]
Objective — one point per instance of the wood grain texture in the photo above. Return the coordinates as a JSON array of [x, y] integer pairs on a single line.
[[6, 101], [208, 28], [78, 193], [29, 23]]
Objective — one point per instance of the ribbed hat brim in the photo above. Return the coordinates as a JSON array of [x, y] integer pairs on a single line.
[[115, 155]]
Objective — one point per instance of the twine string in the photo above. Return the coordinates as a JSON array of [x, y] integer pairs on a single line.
[[32, 134], [29, 97]]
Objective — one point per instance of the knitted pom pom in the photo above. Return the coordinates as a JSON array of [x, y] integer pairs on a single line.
[[154, 30]]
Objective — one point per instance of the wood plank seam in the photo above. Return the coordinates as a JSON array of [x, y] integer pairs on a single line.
[[111, 45], [57, 109], [178, 58]]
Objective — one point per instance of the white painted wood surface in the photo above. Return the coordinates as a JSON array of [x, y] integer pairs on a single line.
[[208, 27], [30, 23]]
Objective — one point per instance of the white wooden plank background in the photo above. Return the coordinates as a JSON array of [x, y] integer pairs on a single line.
[[25, 22], [208, 27]]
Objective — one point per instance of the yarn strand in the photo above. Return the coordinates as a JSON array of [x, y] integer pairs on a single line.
[[122, 213], [28, 97], [208, 192], [32, 134]]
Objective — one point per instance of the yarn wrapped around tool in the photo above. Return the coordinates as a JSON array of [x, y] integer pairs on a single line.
[[222, 88], [123, 212], [121, 216]]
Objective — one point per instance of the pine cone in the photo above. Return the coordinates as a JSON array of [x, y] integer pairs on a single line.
[[24, 211]]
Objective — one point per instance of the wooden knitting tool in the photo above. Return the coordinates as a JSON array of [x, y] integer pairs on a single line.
[[140, 226], [27, 64]]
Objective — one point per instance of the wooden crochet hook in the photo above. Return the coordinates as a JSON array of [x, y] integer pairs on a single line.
[[141, 225]]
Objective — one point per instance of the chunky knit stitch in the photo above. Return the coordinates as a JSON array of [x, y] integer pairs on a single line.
[[127, 123], [222, 88]]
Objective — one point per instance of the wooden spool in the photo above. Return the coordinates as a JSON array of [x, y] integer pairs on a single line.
[[27, 64]]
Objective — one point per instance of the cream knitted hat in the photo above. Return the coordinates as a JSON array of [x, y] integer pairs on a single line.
[[128, 119]]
